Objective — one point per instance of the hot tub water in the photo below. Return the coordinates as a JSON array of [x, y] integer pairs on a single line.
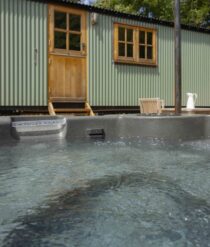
[[137, 193]]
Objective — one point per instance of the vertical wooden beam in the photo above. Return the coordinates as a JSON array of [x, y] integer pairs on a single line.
[[178, 72]]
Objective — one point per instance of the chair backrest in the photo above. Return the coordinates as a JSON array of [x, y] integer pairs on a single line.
[[150, 105]]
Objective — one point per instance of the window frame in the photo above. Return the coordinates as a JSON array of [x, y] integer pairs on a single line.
[[126, 43], [136, 60], [52, 29]]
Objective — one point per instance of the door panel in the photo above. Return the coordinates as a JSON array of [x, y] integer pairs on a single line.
[[67, 54], [76, 90], [69, 83]]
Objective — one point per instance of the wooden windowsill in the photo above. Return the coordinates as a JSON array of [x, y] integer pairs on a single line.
[[129, 62]]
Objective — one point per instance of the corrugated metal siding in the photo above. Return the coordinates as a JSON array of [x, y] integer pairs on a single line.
[[23, 28], [114, 85], [196, 66]]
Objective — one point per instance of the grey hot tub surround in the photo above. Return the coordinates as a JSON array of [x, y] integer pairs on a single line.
[[131, 126], [113, 127]]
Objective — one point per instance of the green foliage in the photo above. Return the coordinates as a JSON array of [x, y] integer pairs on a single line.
[[194, 12], [116, 5]]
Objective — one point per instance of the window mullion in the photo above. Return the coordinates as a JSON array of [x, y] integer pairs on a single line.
[[153, 47], [60, 30], [67, 33], [146, 45], [136, 45], [133, 44], [126, 42]]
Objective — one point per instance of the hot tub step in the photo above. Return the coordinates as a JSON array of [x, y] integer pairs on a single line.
[[39, 126]]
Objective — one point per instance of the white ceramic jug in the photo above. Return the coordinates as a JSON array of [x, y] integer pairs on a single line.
[[191, 100]]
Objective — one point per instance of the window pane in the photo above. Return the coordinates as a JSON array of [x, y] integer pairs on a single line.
[[149, 38], [74, 42], [121, 50], [121, 33], [129, 50], [142, 37], [60, 40], [141, 51], [149, 52], [129, 35], [75, 23], [60, 20]]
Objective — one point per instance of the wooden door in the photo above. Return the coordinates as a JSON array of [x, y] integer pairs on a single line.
[[67, 54]]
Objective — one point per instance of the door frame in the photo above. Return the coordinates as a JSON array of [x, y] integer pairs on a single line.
[[50, 42]]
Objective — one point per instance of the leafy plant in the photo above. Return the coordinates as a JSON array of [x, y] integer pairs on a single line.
[[193, 12]]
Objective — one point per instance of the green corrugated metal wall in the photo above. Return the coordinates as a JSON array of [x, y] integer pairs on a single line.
[[115, 85], [23, 29]]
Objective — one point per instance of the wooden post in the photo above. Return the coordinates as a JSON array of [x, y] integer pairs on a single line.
[[178, 72], [51, 109], [90, 109]]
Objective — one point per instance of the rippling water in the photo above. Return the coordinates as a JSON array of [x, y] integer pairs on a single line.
[[126, 194]]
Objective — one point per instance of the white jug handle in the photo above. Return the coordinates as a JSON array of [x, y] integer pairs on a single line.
[[195, 97]]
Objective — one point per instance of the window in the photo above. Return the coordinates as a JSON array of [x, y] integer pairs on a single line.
[[135, 45], [67, 31], [125, 42]]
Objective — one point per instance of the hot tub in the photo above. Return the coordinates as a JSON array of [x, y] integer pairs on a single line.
[[105, 181]]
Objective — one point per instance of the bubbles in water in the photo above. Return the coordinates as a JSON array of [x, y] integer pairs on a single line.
[[125, 193]]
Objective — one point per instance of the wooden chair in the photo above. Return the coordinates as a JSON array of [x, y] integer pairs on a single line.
[[151, 105]]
